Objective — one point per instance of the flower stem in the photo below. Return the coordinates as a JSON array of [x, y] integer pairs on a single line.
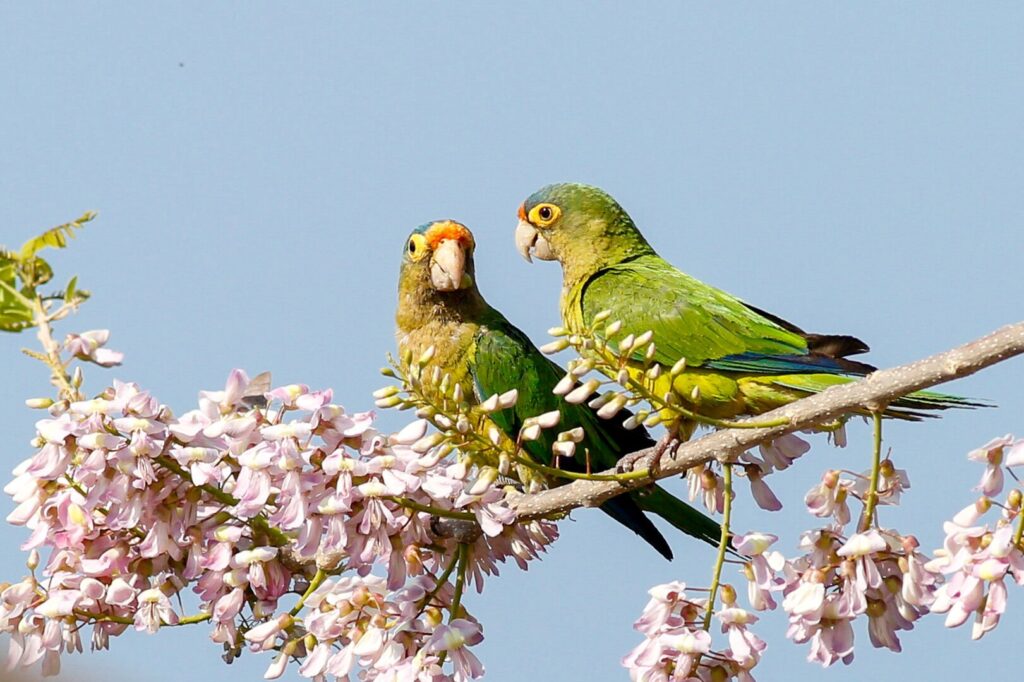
[[460, 584], [126, 620], [723, 545], [460, 581], [52, 350], [433, 511], [439, 582], [871, 500], [316, 582]]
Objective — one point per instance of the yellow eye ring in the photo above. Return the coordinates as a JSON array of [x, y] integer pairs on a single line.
[[416, 248], [543, 215]]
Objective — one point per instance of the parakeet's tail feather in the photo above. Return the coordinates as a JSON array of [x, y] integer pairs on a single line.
[[922, 404], [913, 407], [659, 501], [626, 511]]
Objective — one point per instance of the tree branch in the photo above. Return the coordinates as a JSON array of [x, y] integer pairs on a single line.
[[876, 390]]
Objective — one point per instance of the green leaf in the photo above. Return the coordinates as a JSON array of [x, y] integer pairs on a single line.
[[69, 291], [55, 237], [15, 309]]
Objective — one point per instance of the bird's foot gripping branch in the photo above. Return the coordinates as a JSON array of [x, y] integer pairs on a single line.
[[292, 528]]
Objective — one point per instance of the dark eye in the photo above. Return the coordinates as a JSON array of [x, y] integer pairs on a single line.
[[545, 213], [412, 246]]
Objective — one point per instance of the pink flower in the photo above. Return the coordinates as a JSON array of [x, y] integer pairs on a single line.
[[828, 498], [154, 610], [455, 638], [89, 346], [991, 453], [761, 569], [784, 450], [745, 646]]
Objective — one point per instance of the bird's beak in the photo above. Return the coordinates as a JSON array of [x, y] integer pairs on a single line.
[[530, 242], [448, 266]]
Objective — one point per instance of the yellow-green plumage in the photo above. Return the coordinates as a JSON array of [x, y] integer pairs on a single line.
[[740, 359]]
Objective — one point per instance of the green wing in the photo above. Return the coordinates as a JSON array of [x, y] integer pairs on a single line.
[[503, 359], [695, 321]]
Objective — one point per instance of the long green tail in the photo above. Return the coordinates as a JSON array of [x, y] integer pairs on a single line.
[[659, 501]]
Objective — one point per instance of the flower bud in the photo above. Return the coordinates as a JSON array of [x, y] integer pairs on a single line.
[[1013, 500], [490, 405], [427, 356], [39, 403], [602, 316], [564, 385], [558, 331], [385, 392], [77, 377], [427, 442], [549, 419], [575, 435], [582, 392], [613, 407], [33, 560], [508, 399], [653, 419], [613, 329], [530, 432], [504, 464], [555, 346], [564, 448], [484, 480], [678, 368], [388, 402]]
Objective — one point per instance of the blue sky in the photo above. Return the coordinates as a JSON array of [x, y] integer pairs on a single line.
[[257, 166]]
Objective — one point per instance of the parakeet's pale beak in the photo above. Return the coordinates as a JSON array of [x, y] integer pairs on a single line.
[[530, 242], [448, 266]]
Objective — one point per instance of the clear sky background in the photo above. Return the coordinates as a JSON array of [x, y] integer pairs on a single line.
[[257, 167]]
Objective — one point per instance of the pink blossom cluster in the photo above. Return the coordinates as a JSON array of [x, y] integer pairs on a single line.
[[707, 484], [677, 646], [979, 555], [247, 501], [877, 573]]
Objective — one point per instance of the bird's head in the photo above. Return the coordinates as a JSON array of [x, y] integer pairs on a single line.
[[580, 226], [439, 256]]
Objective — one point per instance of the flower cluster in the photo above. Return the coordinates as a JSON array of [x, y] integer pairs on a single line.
[[978, 556], [706, 483], [253, 498], [678, 646]]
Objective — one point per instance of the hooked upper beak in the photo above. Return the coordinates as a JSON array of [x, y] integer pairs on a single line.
[[530, 242], [448, 267]]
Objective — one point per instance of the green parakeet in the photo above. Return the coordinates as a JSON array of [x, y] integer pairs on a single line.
[[440, 305], [740, 360]]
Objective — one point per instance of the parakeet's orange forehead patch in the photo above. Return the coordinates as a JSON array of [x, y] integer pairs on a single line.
[[449, 229], [522, 211]]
